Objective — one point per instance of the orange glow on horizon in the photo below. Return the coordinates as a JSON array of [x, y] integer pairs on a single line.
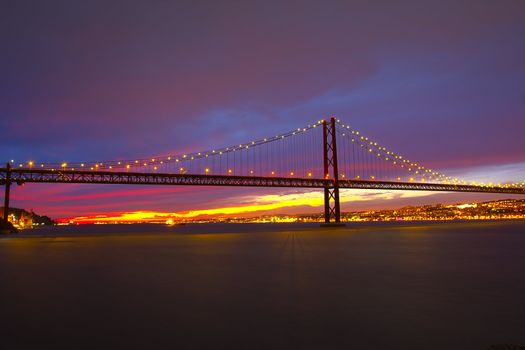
[[258, 204]]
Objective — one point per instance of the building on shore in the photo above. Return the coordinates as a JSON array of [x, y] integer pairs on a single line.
[[22, 219]]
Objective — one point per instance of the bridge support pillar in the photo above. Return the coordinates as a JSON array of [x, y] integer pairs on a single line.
[[332, 210], [6, 194]]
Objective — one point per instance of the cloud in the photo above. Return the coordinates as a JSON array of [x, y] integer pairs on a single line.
[[501, 173], [439, 82]]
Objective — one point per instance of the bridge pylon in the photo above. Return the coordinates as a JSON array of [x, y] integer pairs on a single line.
[[332, 210], [6, 193]]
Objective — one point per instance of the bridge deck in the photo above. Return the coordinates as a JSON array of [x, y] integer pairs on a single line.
[[21, 176]]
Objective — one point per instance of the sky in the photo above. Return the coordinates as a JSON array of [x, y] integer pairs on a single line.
[[442, 82]]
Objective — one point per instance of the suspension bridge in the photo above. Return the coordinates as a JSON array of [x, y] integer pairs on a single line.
[[328, 155]]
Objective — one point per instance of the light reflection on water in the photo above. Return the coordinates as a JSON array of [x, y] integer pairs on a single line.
[[365, 286]]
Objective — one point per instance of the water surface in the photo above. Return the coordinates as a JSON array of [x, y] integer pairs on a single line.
[[282, 286]]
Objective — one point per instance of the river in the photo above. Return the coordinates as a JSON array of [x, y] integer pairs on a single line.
[[454, 285]]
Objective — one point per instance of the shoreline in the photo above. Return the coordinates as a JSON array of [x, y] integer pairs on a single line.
[[149, 229]]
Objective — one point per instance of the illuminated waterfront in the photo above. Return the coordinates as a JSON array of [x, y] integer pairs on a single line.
[[262, 286], [509, 209]]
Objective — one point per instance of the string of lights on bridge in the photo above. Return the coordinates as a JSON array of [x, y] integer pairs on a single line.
[[293, 162], [156, 162], [383, 153]]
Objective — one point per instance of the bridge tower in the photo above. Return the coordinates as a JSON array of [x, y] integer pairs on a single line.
[[332, 211], [6, 194]]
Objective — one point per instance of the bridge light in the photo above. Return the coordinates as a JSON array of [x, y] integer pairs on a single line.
[[41, 165], [207, 170], [169, 158], [119, 163], [372, 177], [177, 160], [229, 171], [30, 163], [145, 164], [136, 162], [273, 172], [109, 167], [291, 173], [127, 166], [411, 179], [154, 168], [64, 165], [309, 174], [183, 156], [251, 171]]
